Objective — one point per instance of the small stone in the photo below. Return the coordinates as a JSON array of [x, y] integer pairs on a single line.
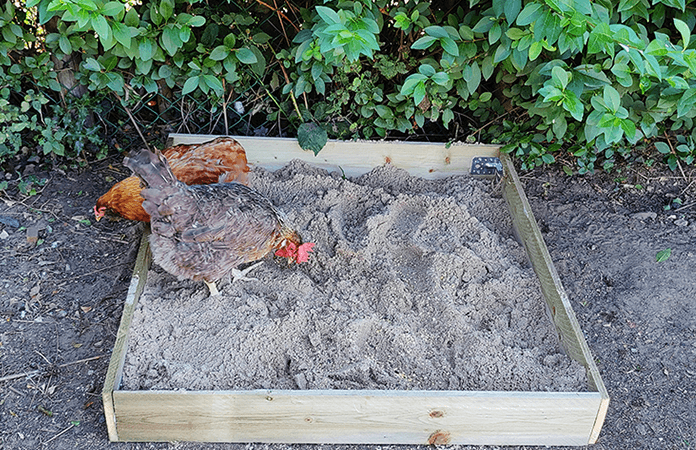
[[33, 235], [301, 381], [4, 235], [681, 223], [644, 215]]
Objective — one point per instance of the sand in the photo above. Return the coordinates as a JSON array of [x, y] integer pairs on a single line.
[[413, 284]]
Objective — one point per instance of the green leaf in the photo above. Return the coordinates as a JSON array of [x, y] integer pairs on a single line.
[[213, 83], [312, 137], [147, 49], [574, 106], [466, 33], [190, 85], [487, 67], [529, 14], [535, 50], [328, 15], [419, 93], [219, 53], [483, 25], [472, 75], [498, 7], [515, 34], [560, 76], [170, 40], [501, 53], [427, 70], [663, 255], [653, 67], [623, 74], [512, 10], [196, 21], [629, 128], [683, 30], [436, 31], [601, 39], [166, 9], [101, 26], [260, 38], [93, 65], [131, 19], [122, 34], [686, 102], [560, 125], [411, 82], [449, 46], [441, 78], [548, 158], [494, 33], [423, 43], [663, 148], [612, 99], [112, 9], [64, 44]]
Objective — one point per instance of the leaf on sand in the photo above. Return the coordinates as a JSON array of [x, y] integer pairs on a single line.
[[312, 137], [662, 255]]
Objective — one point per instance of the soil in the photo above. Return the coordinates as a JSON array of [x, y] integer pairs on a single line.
[[63, 281], [412, 284]]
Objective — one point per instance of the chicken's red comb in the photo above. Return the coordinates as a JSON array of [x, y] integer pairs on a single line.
[[303, 252], [292, 251], [289, 251]]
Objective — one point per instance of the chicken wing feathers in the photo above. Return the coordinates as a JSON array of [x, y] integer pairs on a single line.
[[220, 160]]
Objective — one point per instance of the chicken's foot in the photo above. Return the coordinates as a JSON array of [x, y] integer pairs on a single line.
[[240, 275], [213, 288]]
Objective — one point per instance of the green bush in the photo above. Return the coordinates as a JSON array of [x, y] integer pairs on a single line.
[[587, 82]]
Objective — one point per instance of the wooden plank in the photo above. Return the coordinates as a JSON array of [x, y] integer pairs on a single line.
[[426, 160], [559, 307], [118, 355], [358, 417]]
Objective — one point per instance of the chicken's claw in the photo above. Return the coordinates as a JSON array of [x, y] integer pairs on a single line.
[[240, 275]]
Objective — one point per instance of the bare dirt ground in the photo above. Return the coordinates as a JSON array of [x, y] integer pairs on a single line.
[[63, 279]]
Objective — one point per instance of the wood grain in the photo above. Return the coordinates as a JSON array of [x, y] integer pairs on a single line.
[[358, 417], [354, 158]]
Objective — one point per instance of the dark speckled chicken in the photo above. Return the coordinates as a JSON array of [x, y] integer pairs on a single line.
[[204, 232]]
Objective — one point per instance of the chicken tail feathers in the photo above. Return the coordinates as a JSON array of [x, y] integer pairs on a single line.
[[150, 167]]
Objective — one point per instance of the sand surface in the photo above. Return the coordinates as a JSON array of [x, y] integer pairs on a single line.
[[413, 284]]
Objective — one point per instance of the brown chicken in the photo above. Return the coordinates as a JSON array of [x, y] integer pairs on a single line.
[[204, 232], [220, 160]]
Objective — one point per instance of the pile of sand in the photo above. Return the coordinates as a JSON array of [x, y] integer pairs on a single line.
[[413, 284]]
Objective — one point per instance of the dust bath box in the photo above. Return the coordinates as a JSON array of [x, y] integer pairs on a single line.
[[370, 416]]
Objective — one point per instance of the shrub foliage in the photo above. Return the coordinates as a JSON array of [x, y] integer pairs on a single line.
[[586, 81]]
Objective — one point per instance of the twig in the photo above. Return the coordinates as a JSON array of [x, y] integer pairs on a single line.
[[224, 107], [72, 425], [280, 13], [137, 128], [494, 120], [35, 372], [95, 271], [34, 208], [676, 157], [685, 206]]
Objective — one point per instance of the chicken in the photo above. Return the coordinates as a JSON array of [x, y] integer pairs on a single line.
[[220, 160], [204, 232]]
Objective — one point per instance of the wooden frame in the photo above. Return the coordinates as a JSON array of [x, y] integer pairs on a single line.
[[369, 416]]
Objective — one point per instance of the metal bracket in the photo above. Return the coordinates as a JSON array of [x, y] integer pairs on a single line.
[[486, 165]]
